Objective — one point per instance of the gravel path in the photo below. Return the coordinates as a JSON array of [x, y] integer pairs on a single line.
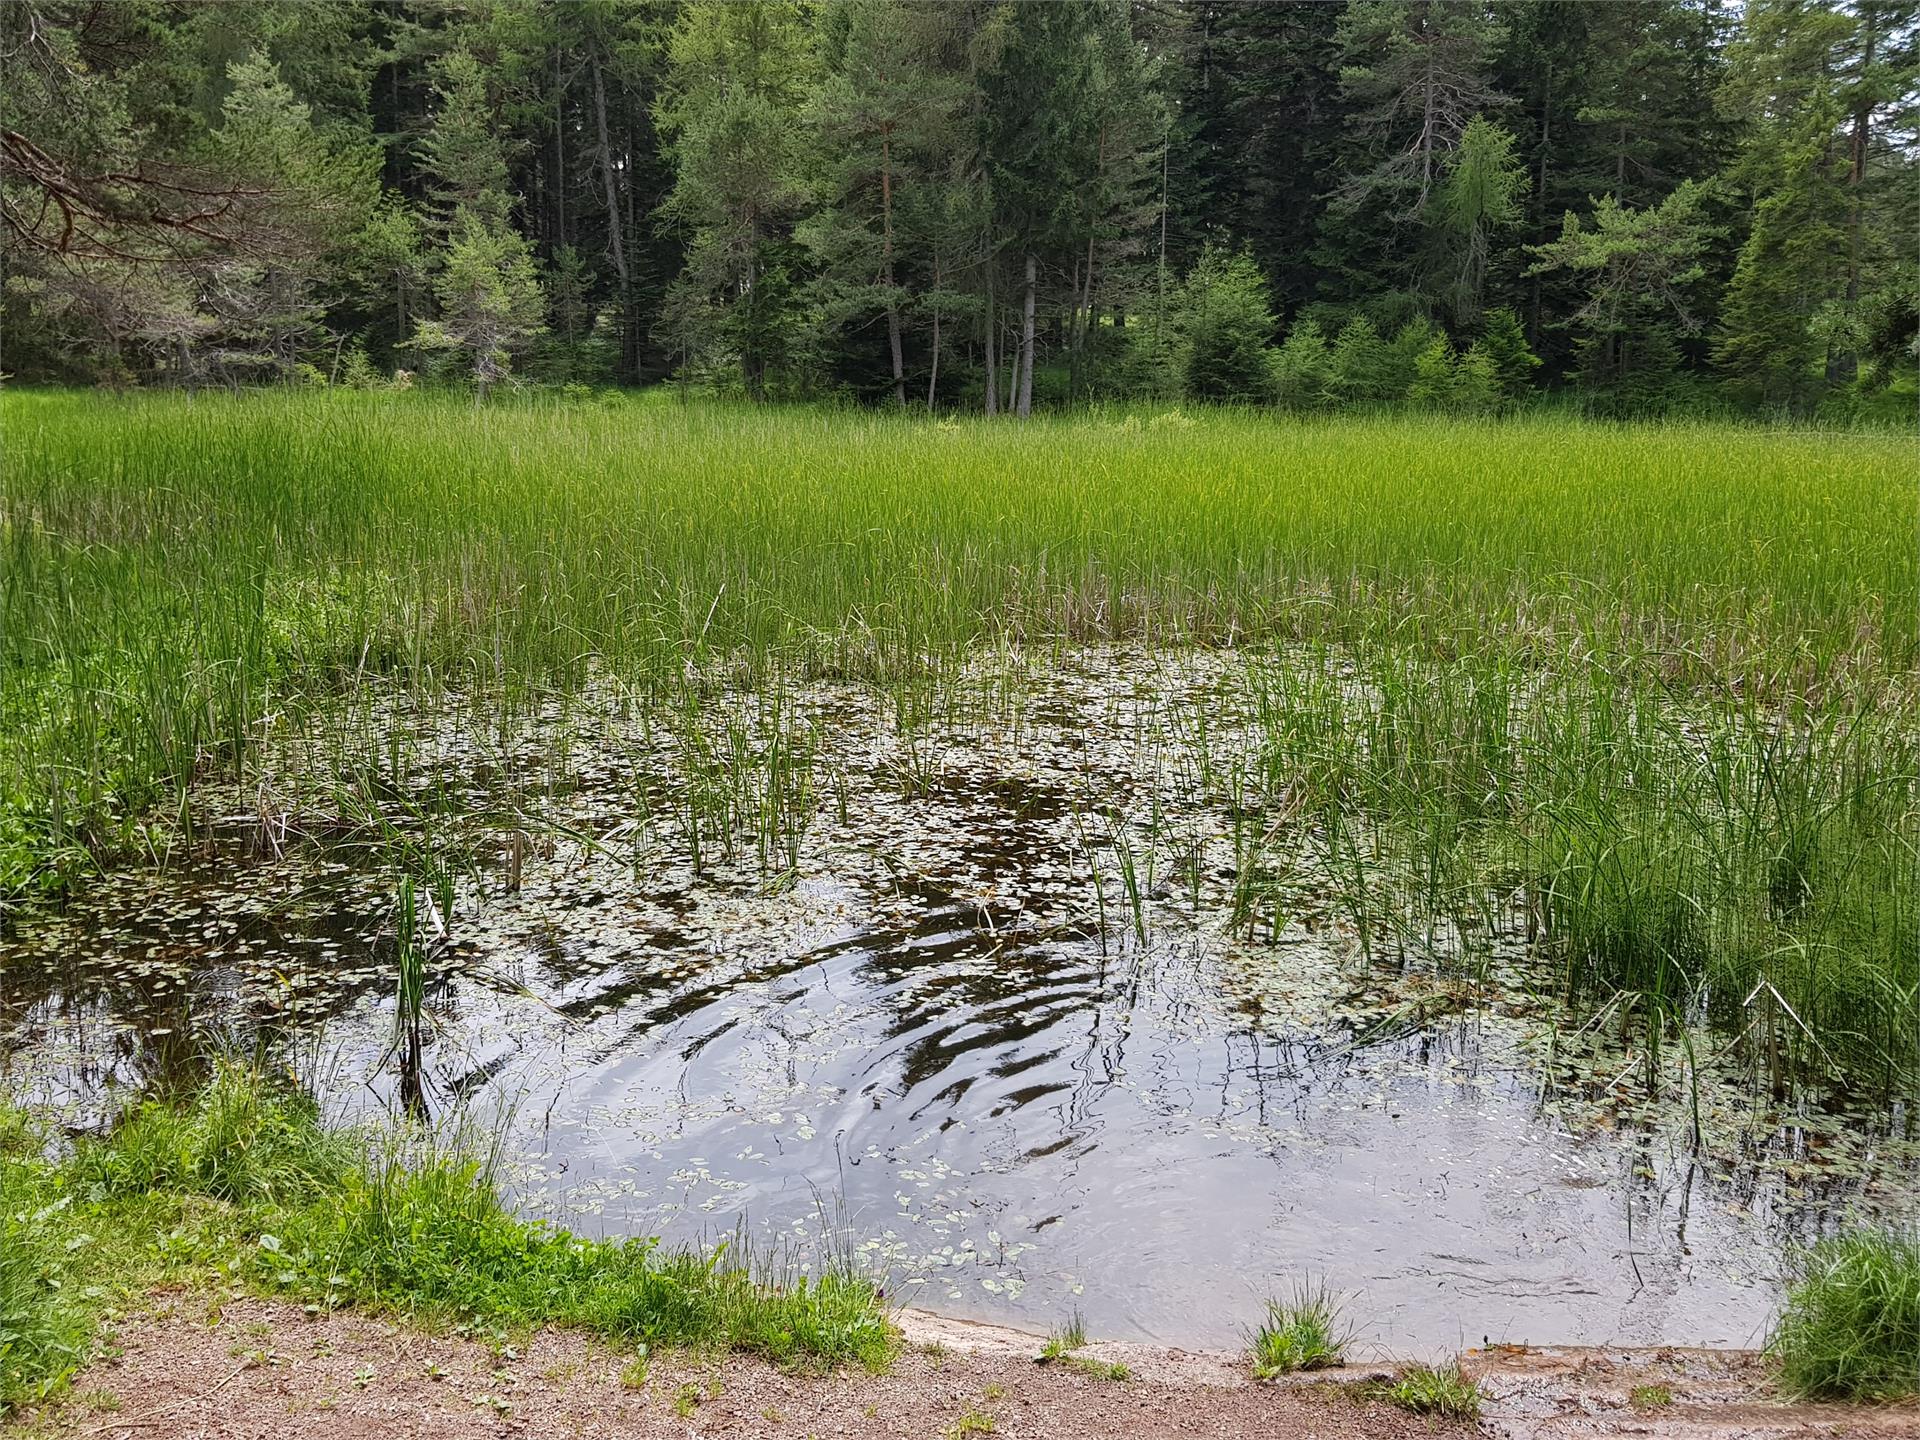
[[251, 1370]]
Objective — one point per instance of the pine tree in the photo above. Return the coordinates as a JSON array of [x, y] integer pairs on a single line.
[[1793, 260], [1303, 369], [1476, 380], [463, 151], [1364, 373], [1789, 319], [886, 113], [1435, 383], [1414, 75], [1224, 321], [737, 78], [1639, 271], [1480, 197], [491, 305], [1504, 342], [1258, 118]]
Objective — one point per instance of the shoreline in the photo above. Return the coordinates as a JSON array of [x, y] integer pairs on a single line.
[[223, 1367]]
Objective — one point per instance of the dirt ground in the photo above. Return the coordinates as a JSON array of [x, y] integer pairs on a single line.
[[250, 1370]]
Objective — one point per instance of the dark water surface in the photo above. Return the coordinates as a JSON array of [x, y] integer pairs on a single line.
[[928, 1044]]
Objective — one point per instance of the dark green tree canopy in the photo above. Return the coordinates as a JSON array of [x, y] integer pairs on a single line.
[[986, 203]]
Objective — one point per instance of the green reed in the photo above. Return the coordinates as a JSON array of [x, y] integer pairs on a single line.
[[1641, 694]]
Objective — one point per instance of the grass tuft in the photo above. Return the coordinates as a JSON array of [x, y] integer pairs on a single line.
[[1445, 1390], [1851, 1326], [1065, 1338], [1306, 1333], [241, 1181]]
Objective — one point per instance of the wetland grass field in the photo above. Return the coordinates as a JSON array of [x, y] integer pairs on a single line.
[[1410, 843]]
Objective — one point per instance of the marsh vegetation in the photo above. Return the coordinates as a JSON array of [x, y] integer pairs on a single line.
[[787, 804]]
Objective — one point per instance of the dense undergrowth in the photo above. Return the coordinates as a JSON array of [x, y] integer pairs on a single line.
[[242, 1185]]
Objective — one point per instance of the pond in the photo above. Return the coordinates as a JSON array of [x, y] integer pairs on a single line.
[[991, 1030]]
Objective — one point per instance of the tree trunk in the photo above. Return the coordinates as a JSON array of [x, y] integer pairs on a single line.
[[933, 371], [559, 153], [886, 254], [1546, 149], [616, 238], [993, 324], [1026, 342], [1086, 320], [1073, 330], [1013, 370], [1160, 312], [1844, 366]]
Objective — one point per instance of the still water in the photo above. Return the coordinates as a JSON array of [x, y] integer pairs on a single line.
[[927, 1045]]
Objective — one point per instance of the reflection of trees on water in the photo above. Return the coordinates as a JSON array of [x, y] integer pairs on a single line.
[[978, 1015], [130, 986]]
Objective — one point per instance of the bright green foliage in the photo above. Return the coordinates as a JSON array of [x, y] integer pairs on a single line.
[[421, 1228], [1481, 196], [1306, 1333], [1412, 343], [1303, 369], [1476, 379], [44, 1327], [1851, 1326], [387, 271], [1225, 325], [1443, 1390], [1065, 1338], [170, 635], [1504, 344], [239, 1140], [1364, 370], [1434, 376]]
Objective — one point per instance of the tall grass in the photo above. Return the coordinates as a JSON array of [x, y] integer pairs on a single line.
[[1851, 1326], [1656, 680], [1681, 856]]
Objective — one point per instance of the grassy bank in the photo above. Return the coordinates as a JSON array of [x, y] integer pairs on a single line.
[[243, 1186], [1654, 680], [1851, 1326]]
